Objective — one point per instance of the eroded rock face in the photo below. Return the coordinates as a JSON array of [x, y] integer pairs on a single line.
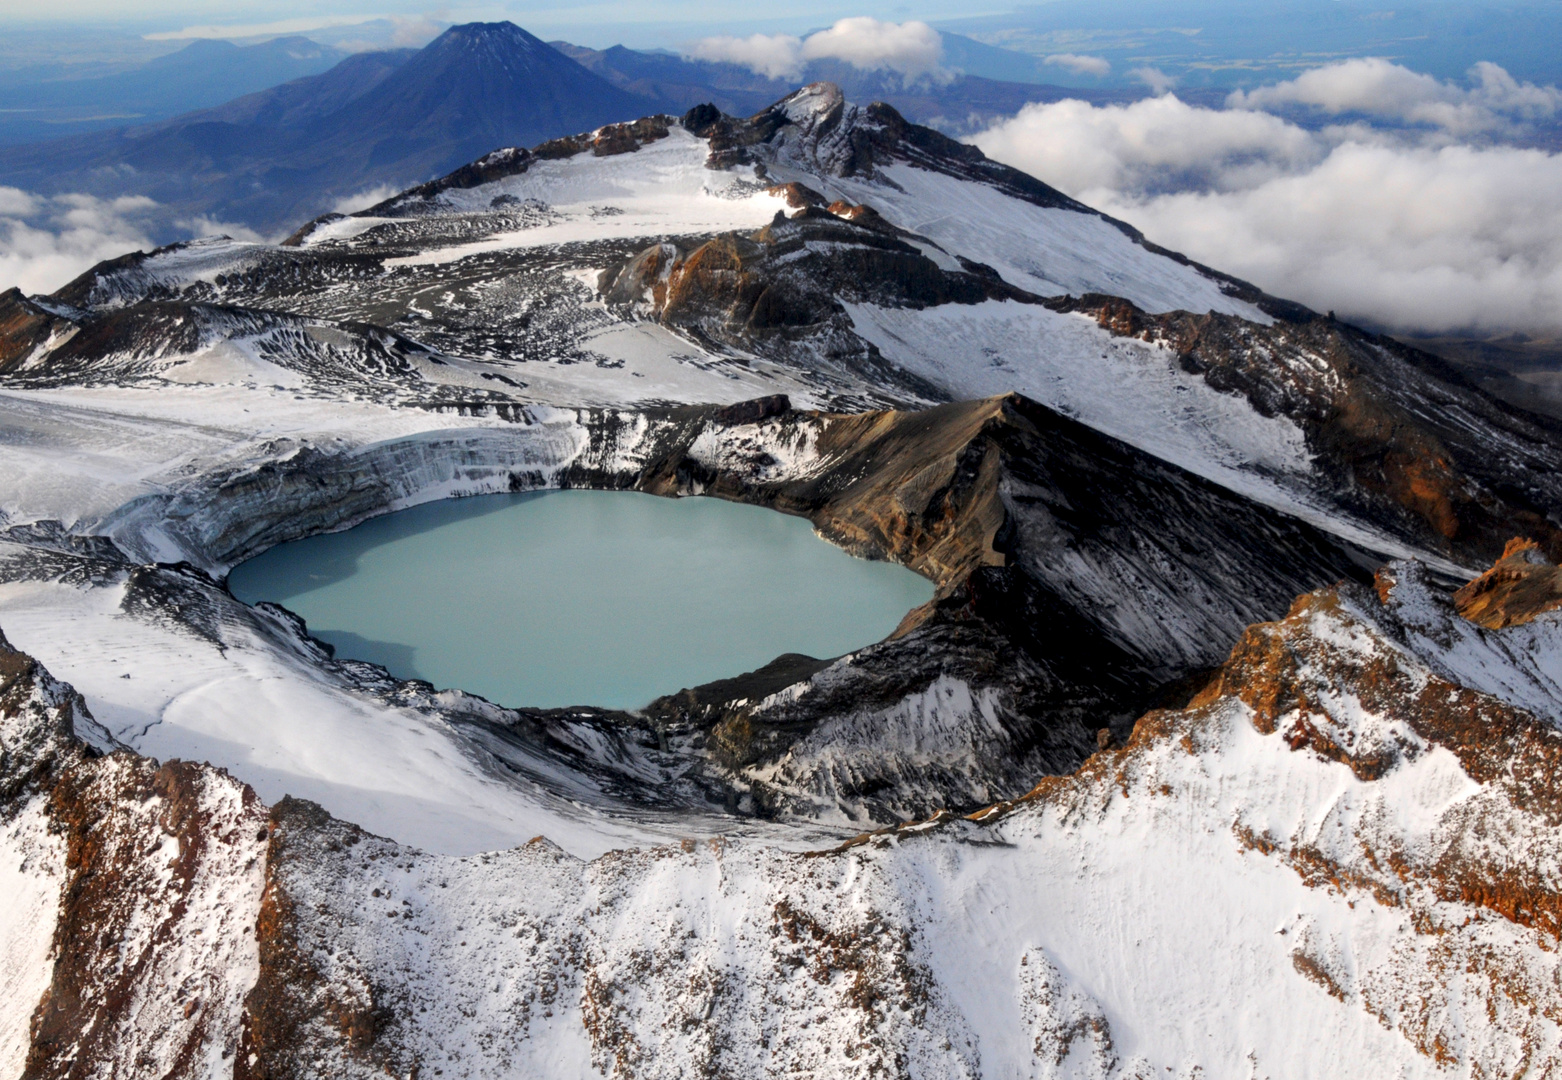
[[778, 292], [25, 328], [1401, 439], [1523, 585], [154, 946], [156, 892]]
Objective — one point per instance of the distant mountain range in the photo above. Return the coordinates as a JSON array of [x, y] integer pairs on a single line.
[[198, 76], [273, 159], [282, 155]]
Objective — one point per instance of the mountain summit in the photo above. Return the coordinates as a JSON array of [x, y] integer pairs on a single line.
[[476, 87]]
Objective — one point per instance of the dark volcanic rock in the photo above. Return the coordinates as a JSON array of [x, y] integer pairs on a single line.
[[779, 291]]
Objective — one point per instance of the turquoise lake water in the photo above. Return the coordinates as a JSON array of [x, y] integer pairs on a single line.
[[580, 597]]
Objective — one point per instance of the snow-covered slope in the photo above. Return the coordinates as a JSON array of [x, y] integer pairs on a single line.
[[1347, 829], [1306, 850]]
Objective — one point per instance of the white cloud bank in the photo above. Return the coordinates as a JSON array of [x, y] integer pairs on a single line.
[[1495, 101], [276, 28], [1415, 228], [1080, 65], [1157, 80], [775, 56], [45, 241], [362, 200], [911, 49]]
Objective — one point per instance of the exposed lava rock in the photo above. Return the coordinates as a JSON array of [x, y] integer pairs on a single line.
[[778, 292], [151, 950], [24, 327]]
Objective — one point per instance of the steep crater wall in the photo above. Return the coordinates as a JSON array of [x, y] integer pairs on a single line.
[[1079, 580]]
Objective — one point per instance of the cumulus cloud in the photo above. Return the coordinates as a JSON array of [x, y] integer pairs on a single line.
[[776, 56], [1372, 86], [204, 226], [265, 29], [362, 200], [1080, 65], [416, 32], [1399, 227], [1420, 239], [404, 32], [911, 49], [1157, 80], [1156, 145], [47, 241]]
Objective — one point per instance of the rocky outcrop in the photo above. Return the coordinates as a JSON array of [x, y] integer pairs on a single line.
[[1400, 438], [25, 329], [605, 141], [779, 291], [1523, 585], [159, 881]]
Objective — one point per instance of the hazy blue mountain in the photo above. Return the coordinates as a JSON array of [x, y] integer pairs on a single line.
[[54, 105], [276, 158]]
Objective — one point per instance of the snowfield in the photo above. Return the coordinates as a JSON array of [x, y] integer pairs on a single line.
[[1048, 251]]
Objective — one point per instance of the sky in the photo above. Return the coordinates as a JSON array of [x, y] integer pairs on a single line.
[[639, 23]]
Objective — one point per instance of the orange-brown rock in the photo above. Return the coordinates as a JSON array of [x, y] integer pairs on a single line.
[[1522, 585], [23, 327]]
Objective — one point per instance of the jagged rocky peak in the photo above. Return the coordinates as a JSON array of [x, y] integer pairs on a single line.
[[817, 130], [796, 271]]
